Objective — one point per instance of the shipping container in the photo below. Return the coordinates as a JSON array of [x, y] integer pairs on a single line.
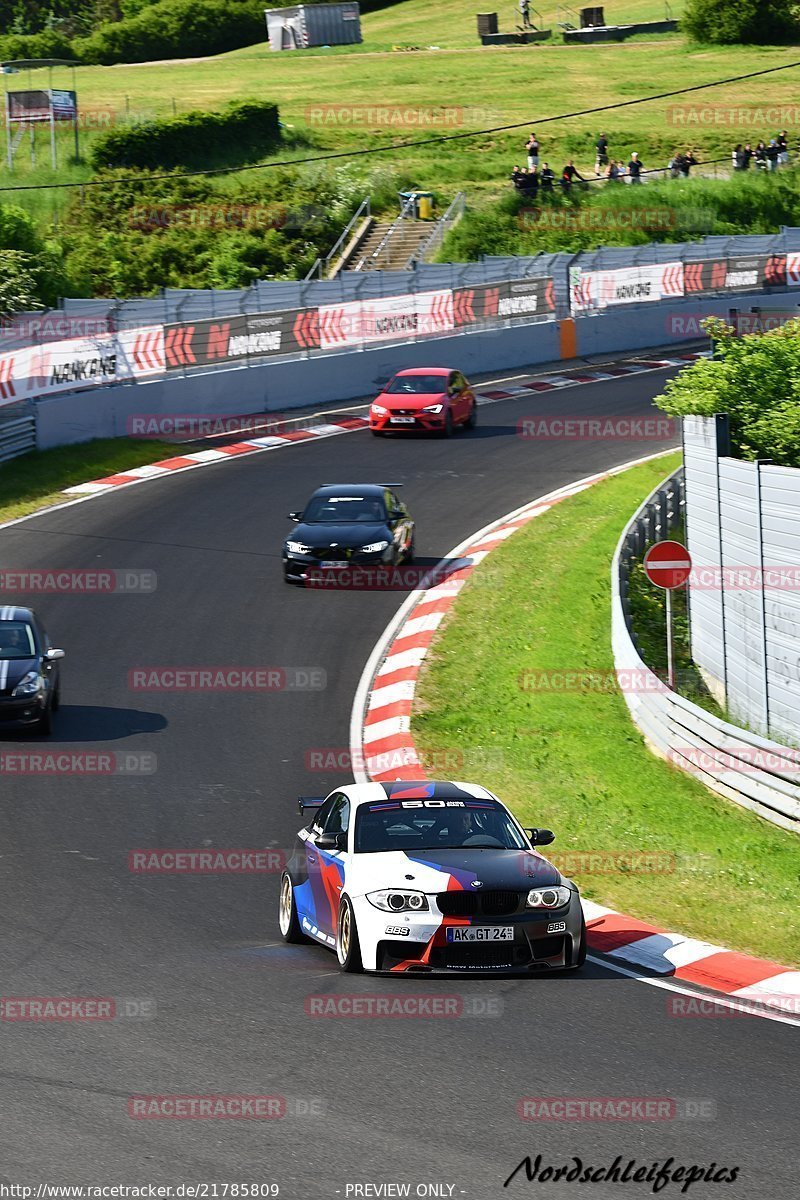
[[306, 25]]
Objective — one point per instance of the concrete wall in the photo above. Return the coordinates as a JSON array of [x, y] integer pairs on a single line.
[[276, 386], [280, 385]]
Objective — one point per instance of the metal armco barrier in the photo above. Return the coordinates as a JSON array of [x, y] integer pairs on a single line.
[[754, 772], [17, 431], [186, 331]]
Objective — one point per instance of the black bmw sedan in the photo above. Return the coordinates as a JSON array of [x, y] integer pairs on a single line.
[[30, 686], [346, 525]]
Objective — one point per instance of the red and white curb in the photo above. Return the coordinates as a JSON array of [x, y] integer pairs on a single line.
[[204, 458], [383, 749]]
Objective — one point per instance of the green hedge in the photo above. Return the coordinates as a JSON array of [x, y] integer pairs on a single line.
[[49, 44], [175, 29], [249, 131]]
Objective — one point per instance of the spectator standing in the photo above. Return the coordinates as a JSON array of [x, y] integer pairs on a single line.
[[532, 148], [782, 142], [530, 184], [761, 156], [517, 177], [547, 179], [736, 157], [747, 155], [621, 172], [635, 168], [602, 155], [687, 161], [569, 174], [524, 12], [773, 154], [611, 172], [675, 165]]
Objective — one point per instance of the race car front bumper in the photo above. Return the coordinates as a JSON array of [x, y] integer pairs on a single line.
[[543, 940]]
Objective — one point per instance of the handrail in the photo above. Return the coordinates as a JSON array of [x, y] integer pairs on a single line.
[[454, 212], [322, 264], [405, 211]]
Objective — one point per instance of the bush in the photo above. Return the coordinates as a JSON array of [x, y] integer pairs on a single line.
[[755, 380], [175, 28], [742, 22], [198, 139], [30, 267], [49, 44]]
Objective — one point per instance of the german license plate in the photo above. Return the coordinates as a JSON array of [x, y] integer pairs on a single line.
[[402, 420], [333, 566], [481, 933]]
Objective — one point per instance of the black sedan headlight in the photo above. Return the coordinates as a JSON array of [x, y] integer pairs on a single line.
[[293, 547], [548, 897]]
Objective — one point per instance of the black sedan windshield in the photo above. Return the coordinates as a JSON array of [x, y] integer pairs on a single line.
[[393, 825], [16, 640], [343, 510], [417, 385]]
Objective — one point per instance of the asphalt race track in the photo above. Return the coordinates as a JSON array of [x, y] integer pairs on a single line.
[[372, 1100]]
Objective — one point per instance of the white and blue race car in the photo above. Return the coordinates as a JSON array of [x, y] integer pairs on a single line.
[[428, 877]]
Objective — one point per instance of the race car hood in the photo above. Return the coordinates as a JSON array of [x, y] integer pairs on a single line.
[[453, 870], [12, 670], [357, 533]]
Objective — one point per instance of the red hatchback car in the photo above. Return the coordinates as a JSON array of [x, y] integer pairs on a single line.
[[427, 399]]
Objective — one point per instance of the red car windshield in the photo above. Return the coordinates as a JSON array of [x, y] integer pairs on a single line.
[[417, 385]]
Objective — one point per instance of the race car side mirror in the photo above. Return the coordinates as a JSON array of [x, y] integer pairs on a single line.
[[396, 514], [52, 654], [332, 841], [295, 516], [541, 837]]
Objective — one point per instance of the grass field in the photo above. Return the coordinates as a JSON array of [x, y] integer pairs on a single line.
[[455, 88], [575, 762], [36, 480]]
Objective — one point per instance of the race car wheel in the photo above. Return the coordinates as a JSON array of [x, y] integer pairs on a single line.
[[287, 914], [348, 950], [472, 419], [57, 699], [447, 431], [45, 725], [409, 555]]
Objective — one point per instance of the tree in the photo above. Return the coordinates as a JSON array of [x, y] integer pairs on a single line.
[[756, 381], [18, 285], [747, 22]]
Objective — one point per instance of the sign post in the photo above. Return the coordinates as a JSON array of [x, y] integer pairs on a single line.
[[668, 565]]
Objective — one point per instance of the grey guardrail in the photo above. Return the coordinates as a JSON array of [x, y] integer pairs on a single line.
[[752, 771], [17, 431]]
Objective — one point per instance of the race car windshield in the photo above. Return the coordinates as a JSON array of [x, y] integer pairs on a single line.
[[417, 385], [16, 640], [397, 825], [344, 510]]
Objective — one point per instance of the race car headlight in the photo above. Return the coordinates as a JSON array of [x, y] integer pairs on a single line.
[[29, 685], [379, 410], [433, 408], [374, 547], [550, 897], [398, 901], [298, 548]]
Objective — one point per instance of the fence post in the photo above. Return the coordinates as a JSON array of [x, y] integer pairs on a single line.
[[759, 463]]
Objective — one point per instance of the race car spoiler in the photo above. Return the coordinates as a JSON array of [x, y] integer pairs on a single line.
[[304, 802]]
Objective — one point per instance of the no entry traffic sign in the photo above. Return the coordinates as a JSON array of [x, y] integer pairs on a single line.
[[667, 565]]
